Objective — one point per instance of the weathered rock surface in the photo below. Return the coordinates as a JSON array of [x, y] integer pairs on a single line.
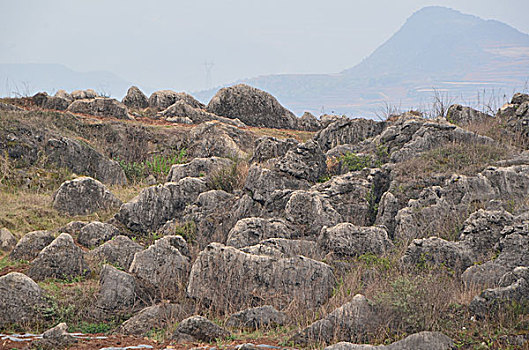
[[84, 160], [101, 107], [83, 94], [257, 318], [252, 106], [55, 338], [119, 251], [437, 251], [285, 248], [309, 122], [162, 268], [198, 167], [388, 208], [156, 205], [514, 291], [257, 278], [135, 98], [180, 110], [96, 233], [346, 240], [250, 231], [30, 245], [118, 294], [350, 322], [153, 317], [261, 183], [7, 240], [83, 196], [418, 341], [9, 107], [347, 131], [198, 328], [160, 100], [60, 259], [268, 147], [44, 101], [20, 299], [306, 161], [64, 94], [218, 139], [462, 116]]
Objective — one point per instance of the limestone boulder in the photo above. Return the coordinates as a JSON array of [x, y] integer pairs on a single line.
[[256, 318], [198, 328], [162, 99], [198, 167], [157, 316], [119, 251], [418, 341], [30, 245], [100, 107], [462, 116], [347, 131], [306, 161], [135, 98], [83, 196], [7, 240], [96, 233], [250, 231], [257, 279], [269, 147], [285, 248], [60, 259], [252, 106], [309, 122]]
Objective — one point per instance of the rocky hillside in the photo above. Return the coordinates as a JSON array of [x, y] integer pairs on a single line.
[[166, 223]]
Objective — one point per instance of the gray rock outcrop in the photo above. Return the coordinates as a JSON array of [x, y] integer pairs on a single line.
[[100, 107], [462, 116], [60, 259], [198, 167], [162, 268], [119, 251], [7, 240], [347, 131], [306, 161], [346, 240], [96, 233], [20, 299], [198, 328], [257, 278], [261, 183], [252, 106], [83, 196], [418, 341], [30, 245], [256, 318], [250, 231], [156, 205], [180, 110], [153, 317], [83, 94], [285, 248], [82, 159], [162, 99], [269, 147], [135, 98], [55, 338], [309, 122]]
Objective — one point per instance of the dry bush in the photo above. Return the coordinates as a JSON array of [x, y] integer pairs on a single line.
[[231, 178], [496, 129]]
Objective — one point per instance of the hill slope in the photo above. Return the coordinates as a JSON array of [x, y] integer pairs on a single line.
[[437, 48]]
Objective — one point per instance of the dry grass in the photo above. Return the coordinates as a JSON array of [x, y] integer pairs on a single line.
[[496, 129], [301, 136]]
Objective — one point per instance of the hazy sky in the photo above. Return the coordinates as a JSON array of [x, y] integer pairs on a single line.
[[164, 44]]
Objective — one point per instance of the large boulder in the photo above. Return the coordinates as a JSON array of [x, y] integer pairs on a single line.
[[83, 196], [135, 98], [153, 317], [218, 139], [96, 233], [257, 317], [269, 147], [306, 161], [156, 205], [162, 99], [55, 338], [119, 251], [82, 159], [255, 279], [350, 322], [198, 328], [418, 341], [285, 248], [30, 245], [250, 231], [162, 268], [346, 240], [309, 122], [252, 106], [87, 94], [462, 116], [119, 293], [64, 94], [180, 111], [437, 251], [60, 259], [347, 131], [261, 183], [20, 299], [198, 167], [100, 107], [7, 240]]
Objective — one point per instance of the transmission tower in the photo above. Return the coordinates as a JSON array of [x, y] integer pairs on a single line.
[[208, 66]]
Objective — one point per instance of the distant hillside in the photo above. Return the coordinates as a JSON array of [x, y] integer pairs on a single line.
[[27, 79], [437, 47]]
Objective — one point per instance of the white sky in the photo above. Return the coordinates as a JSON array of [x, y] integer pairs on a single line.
[[164, 44]]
